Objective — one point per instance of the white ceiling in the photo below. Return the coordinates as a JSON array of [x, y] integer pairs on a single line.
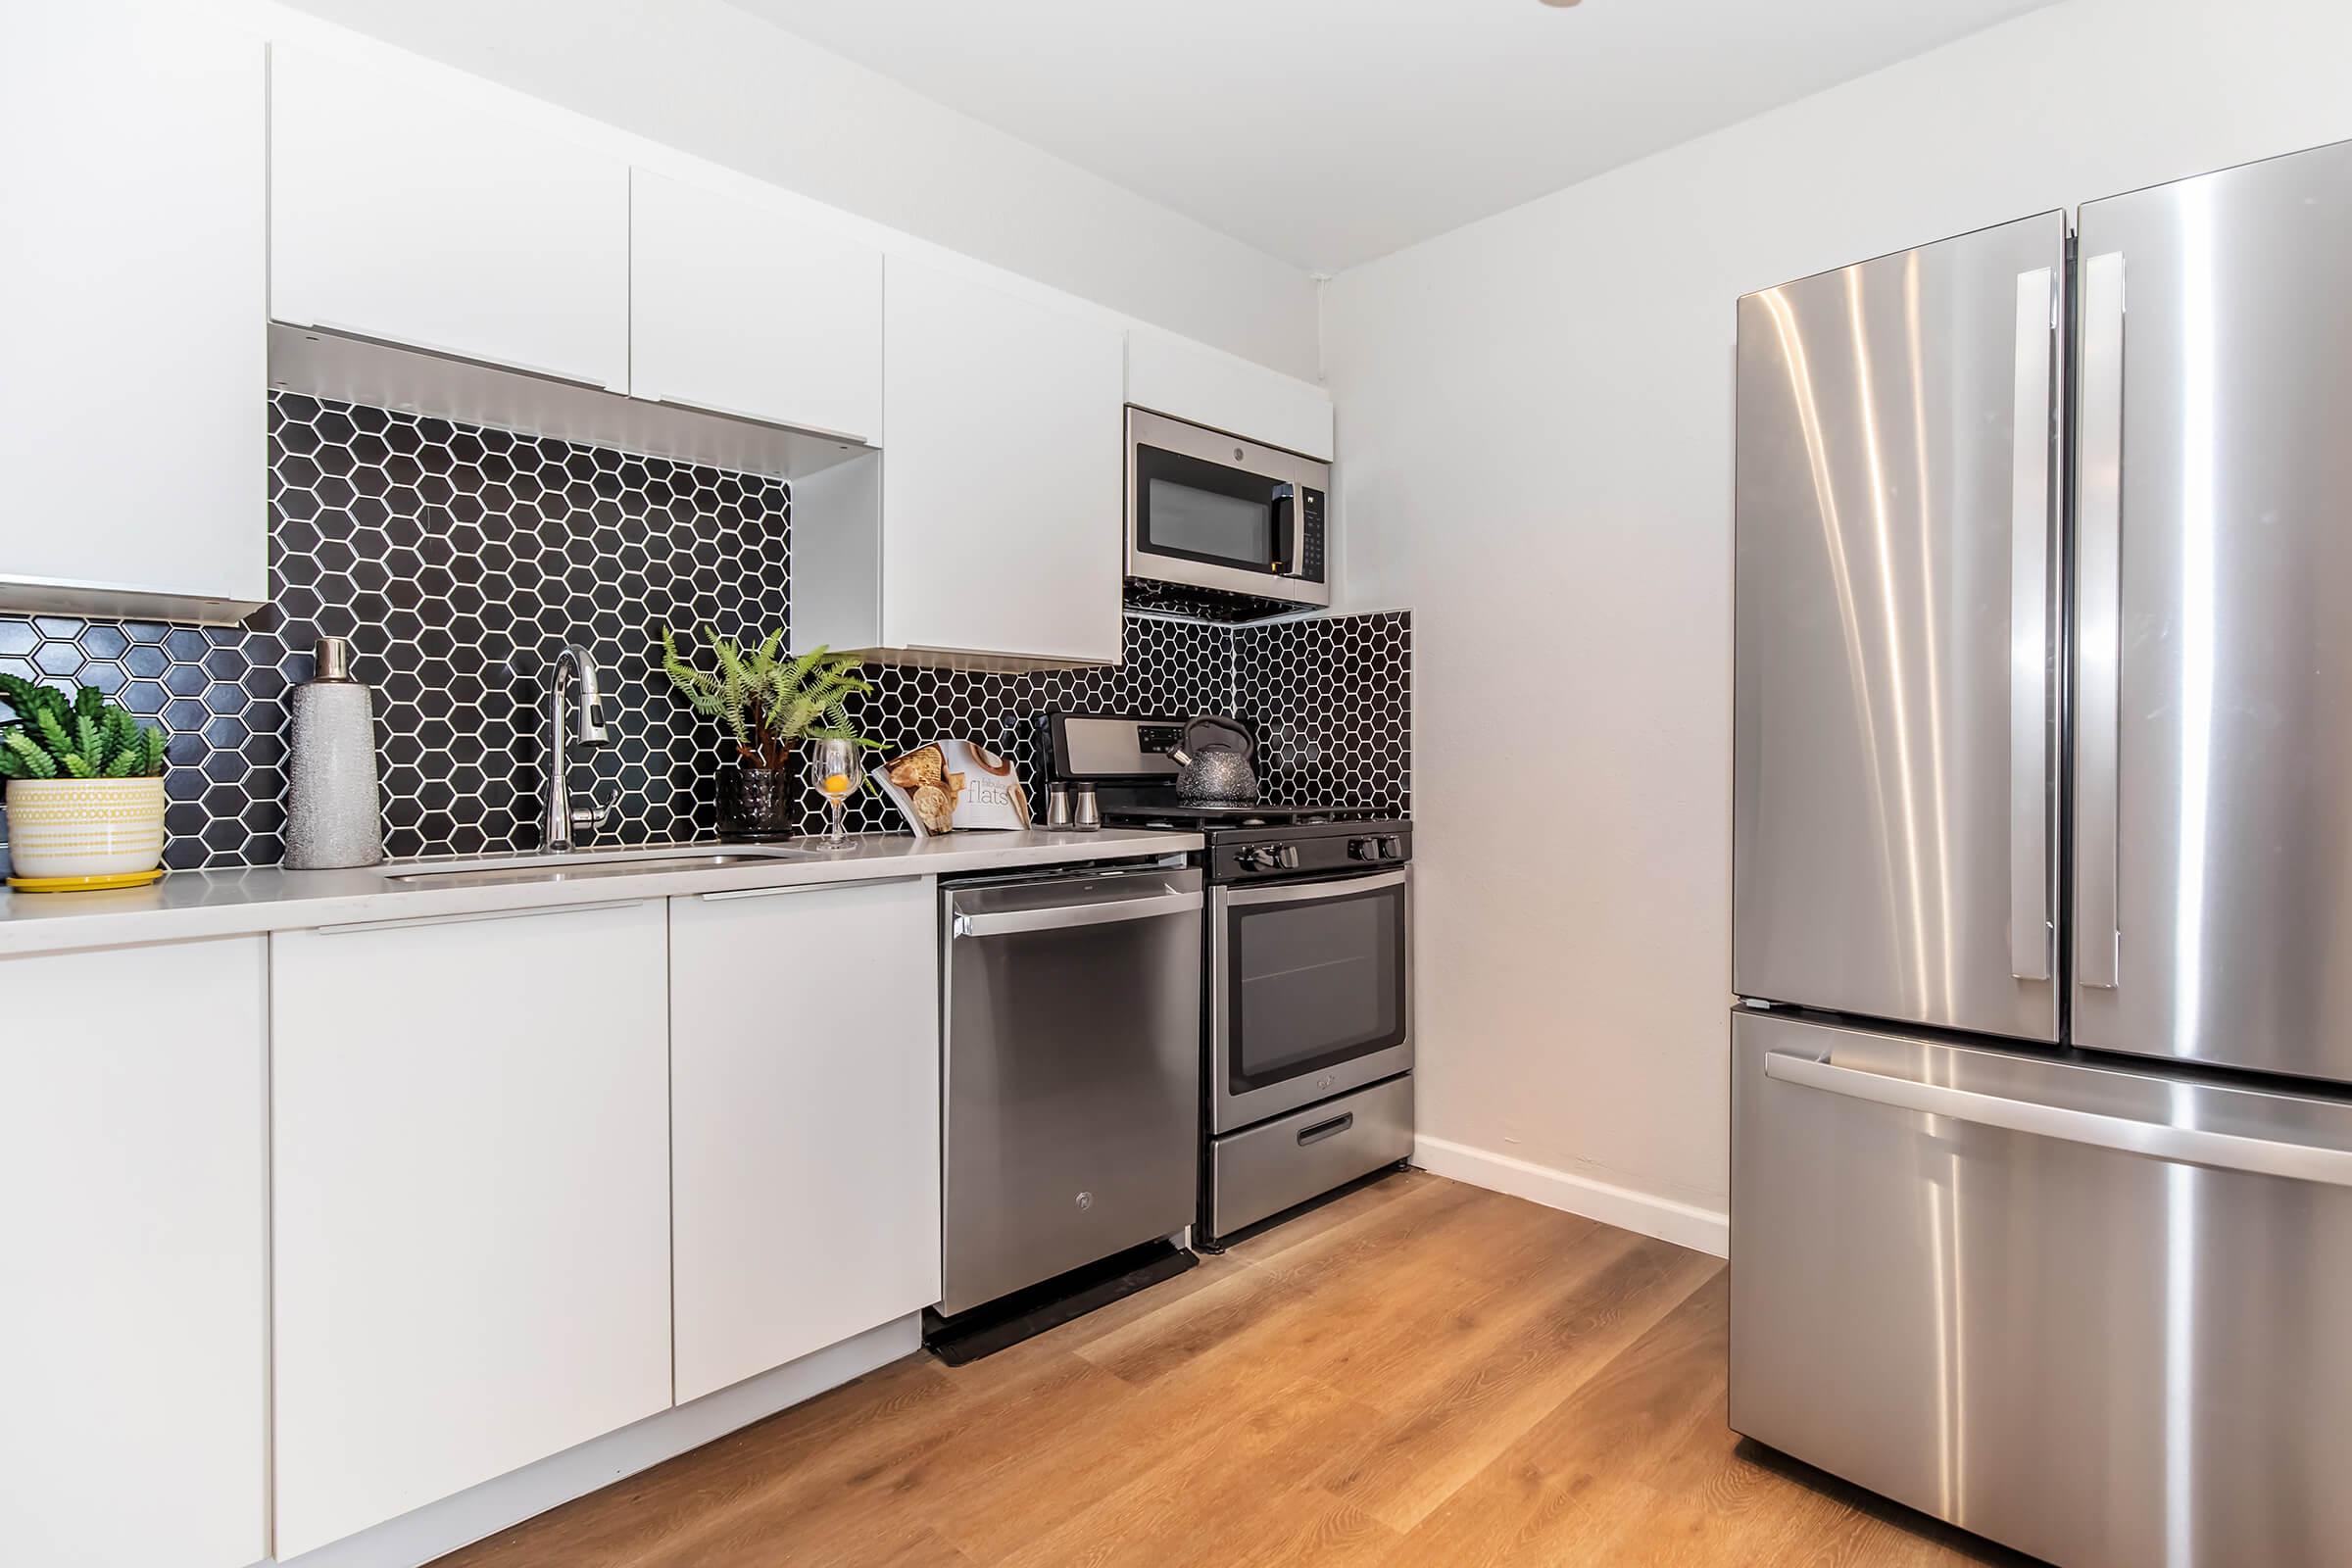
[[1332, 132]]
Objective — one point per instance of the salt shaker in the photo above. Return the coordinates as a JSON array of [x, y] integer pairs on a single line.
[[332, 816], [1087, 815]]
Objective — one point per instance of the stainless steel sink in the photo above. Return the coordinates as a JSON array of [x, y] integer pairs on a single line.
[[581, 864]]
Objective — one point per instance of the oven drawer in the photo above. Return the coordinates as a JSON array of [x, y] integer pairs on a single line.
[[1287, 1160]]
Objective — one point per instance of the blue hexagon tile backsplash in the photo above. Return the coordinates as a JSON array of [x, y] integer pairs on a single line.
[[458, 559]]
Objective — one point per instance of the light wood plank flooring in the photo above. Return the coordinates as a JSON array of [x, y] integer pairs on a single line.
[[1420, 1373]]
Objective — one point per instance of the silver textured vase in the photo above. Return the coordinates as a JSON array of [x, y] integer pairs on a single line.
[[333, 819]]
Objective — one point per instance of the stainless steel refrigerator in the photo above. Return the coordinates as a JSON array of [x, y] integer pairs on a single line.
[[2041, 1156]]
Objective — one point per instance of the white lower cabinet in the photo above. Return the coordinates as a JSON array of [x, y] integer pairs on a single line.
[[132, 1223], [805, 1132], [471, 1220]]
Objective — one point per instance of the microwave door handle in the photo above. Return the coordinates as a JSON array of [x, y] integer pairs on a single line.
[[1286, 529]]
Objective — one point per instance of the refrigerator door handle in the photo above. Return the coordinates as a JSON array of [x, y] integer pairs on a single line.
[[2098, 589], [2191, 1145], [2029, 925]]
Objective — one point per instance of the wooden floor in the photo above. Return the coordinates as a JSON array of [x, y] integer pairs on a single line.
[[1420, 1373]]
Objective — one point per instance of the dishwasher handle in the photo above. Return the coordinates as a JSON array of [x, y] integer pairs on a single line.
[[1070, 917], [2188, 1146]]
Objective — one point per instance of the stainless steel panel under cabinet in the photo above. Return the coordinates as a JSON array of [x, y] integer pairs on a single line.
[[2213, 794], [2097, 1314], [1072, 1073], [1896, 534]]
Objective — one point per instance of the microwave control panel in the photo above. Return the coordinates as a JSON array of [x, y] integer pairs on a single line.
[[1310, 534]]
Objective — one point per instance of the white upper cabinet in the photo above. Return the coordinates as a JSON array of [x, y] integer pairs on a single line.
[[132, 351], [1177, 376], [745, 307], [1001, 496], [470, 1220], [805, 1136], [134, 1283], [429, 219]]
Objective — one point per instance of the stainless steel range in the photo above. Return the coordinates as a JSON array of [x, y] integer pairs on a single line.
[[1306, 1037]]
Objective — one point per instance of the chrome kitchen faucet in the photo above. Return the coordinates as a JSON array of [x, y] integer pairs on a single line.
[[561, 822]]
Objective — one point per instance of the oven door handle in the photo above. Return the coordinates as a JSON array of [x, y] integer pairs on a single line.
[[1334, 888]]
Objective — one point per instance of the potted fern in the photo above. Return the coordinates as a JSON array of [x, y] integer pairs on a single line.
[[768, 702], [85, 790]]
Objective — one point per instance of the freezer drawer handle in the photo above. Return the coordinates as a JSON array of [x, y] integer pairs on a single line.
[[1070, 915], [2192, 1146], [1326, 1129]]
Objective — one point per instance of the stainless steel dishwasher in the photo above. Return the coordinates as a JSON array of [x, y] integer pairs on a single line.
[[1072, 1067]]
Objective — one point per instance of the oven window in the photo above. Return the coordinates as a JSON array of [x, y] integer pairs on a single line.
[[1314, 983], [1205, 512]]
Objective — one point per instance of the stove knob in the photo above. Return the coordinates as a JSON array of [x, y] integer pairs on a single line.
[[1256, 858], [1363, 849], [1288, 857], [1391, 846]]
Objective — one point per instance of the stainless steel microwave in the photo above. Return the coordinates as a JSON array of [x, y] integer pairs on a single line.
[[1206, 510]]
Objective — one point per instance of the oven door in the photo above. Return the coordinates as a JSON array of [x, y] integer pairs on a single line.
[[1311, 993], [1210, 512]]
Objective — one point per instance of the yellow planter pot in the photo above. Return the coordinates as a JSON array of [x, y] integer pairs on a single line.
[[84, 827]]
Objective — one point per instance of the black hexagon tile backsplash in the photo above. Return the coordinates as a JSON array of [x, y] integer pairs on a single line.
[[458, 559]]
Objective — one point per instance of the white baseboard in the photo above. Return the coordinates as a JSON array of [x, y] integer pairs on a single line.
[[1703, 1230], [440, 1528]]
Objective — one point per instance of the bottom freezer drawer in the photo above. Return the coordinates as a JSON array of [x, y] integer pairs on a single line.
[[1265, 1170], [2097, 1314]]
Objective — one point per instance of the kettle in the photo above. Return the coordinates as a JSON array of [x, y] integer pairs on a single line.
[[1214, 763]]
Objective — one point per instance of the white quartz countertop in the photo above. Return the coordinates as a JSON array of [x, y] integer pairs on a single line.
[[188, 904]]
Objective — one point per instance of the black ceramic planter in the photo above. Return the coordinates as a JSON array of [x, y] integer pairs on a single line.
[[756, 802]]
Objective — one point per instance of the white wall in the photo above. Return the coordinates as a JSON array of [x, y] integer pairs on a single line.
[[1535, 437], [709, 80]]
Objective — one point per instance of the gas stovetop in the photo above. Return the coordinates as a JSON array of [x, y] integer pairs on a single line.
[[1129, 762], [1146, 813], [1260, 843]]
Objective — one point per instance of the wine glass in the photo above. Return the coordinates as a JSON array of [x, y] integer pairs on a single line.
[[835, 770]]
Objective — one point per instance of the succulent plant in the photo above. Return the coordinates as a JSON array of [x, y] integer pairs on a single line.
[[88, 735]]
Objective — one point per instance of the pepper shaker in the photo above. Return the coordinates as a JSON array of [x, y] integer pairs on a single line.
[[332, 816]]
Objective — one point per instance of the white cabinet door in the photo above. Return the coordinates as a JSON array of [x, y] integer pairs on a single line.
[[804, 1131], [1002, 515], [744, 308], [133, 1212], [470, 1213], [1188, 380], [401, 212], [133, 361]]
